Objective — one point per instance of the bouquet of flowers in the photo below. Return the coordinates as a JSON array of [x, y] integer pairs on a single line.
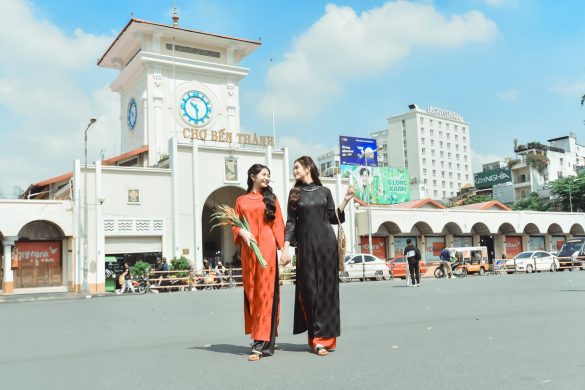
[[226, 216]]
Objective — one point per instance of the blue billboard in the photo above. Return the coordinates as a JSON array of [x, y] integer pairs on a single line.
[[355, 151]]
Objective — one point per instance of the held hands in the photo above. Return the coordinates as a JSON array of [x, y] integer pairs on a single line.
[[284, 259], [247, 236]]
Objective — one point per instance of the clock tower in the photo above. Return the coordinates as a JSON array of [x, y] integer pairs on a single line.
[[174, 81]]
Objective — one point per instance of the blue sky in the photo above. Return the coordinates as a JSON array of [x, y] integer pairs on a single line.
[[512, 68]]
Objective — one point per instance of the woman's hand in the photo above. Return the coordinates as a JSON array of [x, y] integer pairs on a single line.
[[247, 236], [349, 193]]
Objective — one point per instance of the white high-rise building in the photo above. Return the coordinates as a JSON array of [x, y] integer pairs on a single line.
[[434, 146]]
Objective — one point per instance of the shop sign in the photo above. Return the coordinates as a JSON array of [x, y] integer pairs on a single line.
[[378, 185], [227, 137], [378, 246], [513, 246], [488, 179], [39, 253]]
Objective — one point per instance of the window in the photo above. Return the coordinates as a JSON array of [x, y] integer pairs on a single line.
[[450, 163], [457, 158], [465, 158], [422, 120], [357, 259], [466, 167], [458, 175], [431, 132], [423, 150], [425, 181], [440, 134], [433, 162], [466, 177], [443, 174], [456, 137], [441, 144], [444, 194], [424, 171], [432, 152], [464, 148], [449, 157], [431, 123], [455, 128], [432, 142], [435, 193], [464, 139], [442, 162], [450, 175], [422, 130], [435, 183], [424, 161], [422, 140], [448, 145], [440, 124], [369, 258], [456, 147], [451, 185], [434, 172], [448, 135]]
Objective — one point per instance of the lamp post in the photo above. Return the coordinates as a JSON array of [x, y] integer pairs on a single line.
[[85, 213], [570, 182], [365, 157]]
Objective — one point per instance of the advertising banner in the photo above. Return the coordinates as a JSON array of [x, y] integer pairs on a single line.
[[378, 246], [433, 248], [400, 244], [536, 243], [378, 185], [513, 246], [39, 253], [352, 149], [488, 179]]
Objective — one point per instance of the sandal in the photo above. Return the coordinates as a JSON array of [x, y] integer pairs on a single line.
[[255, 356], [321, 350]]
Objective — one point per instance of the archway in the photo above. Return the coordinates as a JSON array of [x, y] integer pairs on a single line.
[[39, 255], [506, 228], [218, 244], [388, 227], [481, 229], [577, 230]]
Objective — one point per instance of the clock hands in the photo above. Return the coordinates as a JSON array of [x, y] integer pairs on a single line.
[[196, 107]]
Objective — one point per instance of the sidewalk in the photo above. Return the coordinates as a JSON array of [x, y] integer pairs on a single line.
[[20, 298]]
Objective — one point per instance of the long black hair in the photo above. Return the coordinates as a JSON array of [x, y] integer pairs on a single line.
[[267, 194], [295, 193]]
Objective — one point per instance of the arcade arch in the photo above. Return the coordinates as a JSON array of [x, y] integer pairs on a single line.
[[218, 244]]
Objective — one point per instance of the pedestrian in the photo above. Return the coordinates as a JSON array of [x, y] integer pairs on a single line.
[[311, 212], [127, 285], [445, 257], [261, 209], [413, 256]]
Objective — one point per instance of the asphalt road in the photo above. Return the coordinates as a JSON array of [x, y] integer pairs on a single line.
[[491, 332]]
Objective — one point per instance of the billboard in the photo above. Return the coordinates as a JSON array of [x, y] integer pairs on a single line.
[[488, 179], [352, 148], [378, 185]]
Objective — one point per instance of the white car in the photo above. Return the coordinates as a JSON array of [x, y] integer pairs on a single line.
[[532, 261], [360, 265]]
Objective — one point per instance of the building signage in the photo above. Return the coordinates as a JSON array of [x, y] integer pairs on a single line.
[[445, 113], [39, 253], [378, 185], [227, 137], [488, 179], [358, 151]]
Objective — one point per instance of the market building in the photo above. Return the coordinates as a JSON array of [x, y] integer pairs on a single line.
[[184, 154]]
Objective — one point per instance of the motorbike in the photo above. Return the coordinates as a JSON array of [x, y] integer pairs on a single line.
[[459, 270], [142, 284]]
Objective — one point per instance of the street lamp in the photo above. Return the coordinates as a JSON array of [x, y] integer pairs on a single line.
[[85, 287], [570, 182], [364, 155]]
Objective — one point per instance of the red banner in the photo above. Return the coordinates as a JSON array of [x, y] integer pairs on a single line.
[[39, 253], [513, 246], [378, 246]]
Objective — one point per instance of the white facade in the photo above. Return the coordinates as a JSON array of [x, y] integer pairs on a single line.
[[328, 163], [434, 145]]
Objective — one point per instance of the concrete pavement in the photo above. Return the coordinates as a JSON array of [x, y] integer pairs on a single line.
[[505, 332]]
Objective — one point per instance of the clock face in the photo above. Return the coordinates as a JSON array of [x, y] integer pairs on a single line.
[[196, 108], [132, 113]]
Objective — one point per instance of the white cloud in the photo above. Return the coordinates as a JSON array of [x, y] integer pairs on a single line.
[[298, 147], [509, 95], [478, 159], [501, 3], [574, 88], [343, 46], [49, 88]]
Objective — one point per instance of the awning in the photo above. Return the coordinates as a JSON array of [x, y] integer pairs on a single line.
[[115, 245]]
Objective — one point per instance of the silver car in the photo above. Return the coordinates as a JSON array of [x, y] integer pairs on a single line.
[[364, 266]]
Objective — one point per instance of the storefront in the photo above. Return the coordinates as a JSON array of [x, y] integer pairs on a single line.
[[400, 244], [378, 246], [462, 241], [433, 247], [38, 264], [536, 243]]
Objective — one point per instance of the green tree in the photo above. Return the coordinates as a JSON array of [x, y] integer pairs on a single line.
[[569, 190], [475, 199], [533, 202]]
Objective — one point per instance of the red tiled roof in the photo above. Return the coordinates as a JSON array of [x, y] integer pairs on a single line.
[[485, 206], [123, 156], [55, 179], [417, 204]]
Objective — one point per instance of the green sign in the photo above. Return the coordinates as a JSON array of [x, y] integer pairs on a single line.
[[488, 179], [378, 185]]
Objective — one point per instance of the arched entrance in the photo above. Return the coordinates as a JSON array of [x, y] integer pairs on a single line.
[[39, 251], [218, 244]]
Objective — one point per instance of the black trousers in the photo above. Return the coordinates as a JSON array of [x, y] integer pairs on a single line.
[[414, 270]]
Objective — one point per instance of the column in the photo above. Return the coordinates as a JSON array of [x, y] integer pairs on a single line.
[[100, 268], [8, 277]]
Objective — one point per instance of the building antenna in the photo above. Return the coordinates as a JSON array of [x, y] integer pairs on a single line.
[[271, 81], [175, 17]]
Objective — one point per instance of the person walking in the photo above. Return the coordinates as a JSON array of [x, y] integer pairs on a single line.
[[311, 212], [261, 209], [127, 285], [413, 256]]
